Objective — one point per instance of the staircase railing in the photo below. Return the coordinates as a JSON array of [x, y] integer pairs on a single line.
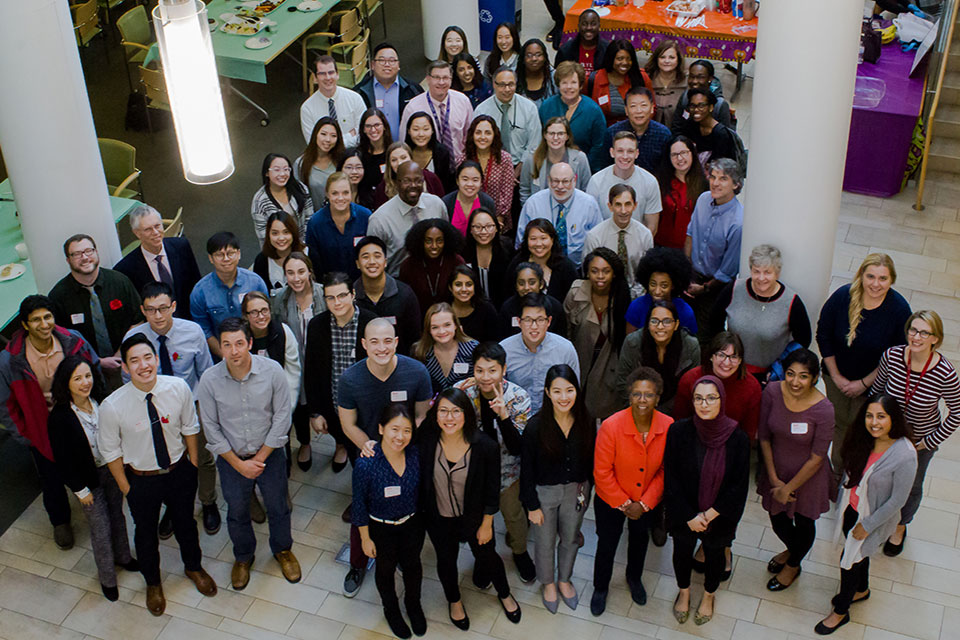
[[949, 13]]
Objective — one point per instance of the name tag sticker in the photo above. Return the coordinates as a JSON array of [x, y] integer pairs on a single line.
[[391, 319], [398, 396], [382, 167], [353, 352], [461, 367], [514, 321], [356, 240], [391, 492], [379, 102], [603, 99], [263, 353], [76, 318], [798, 428]]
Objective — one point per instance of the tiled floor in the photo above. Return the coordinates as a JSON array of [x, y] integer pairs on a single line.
[[47, 594]]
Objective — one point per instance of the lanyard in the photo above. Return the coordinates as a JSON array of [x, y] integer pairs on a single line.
[[442, 125], [907, 392]]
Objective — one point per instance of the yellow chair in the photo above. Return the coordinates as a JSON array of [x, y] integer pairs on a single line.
[[86, 24], [119, 166], [173, 228], [339, 27], [154, 91], [135, 36]]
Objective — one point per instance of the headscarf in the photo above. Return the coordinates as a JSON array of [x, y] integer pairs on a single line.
[[714, 435]]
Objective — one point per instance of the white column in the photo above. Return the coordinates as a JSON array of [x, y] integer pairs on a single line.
[[802, 100], [437, 15], [48, 139]]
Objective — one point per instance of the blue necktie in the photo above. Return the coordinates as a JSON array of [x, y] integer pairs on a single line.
[[166, 365], [562, 227]]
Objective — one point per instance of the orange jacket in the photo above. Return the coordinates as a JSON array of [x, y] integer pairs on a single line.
[[624, 467]]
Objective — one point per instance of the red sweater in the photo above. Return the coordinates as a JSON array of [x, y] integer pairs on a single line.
[[743, 399]]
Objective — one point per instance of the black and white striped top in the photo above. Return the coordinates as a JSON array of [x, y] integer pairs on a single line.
[[462, 367], [923, 410]]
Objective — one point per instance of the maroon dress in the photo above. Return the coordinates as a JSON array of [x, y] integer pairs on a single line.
[[793, 437]]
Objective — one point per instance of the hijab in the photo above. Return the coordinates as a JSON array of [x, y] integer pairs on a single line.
[[713, 434]]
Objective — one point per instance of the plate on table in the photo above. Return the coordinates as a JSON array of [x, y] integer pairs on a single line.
[[602, 11], [310, 5], [212, 23], [257, 42], [262, 8], [11, 271], [240, 26]]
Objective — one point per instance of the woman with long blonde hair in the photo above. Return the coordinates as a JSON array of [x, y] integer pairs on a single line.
[[857, 324], [444, 348]]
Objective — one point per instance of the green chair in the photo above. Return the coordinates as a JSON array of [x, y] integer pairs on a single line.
[[135, 36], [119, 160]]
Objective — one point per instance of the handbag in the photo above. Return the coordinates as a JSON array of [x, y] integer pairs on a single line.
[[871, 40]]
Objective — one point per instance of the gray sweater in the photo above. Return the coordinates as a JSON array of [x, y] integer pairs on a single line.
[[887, 490]]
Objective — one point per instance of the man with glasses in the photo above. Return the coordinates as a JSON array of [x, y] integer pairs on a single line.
[[516, 115], [340, 103], [386, 89], [652, 136], [534, 350], [622, 234], [395, 217], [365, 388], [451, 111], [218, 295], [182, 351], [572, 212], [624, 152], [100, 303]]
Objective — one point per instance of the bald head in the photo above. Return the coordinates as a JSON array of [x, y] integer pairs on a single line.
[[562, 181], [410, 182], [380, 341]]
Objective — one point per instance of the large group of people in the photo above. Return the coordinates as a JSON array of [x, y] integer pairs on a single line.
[[517, 292]]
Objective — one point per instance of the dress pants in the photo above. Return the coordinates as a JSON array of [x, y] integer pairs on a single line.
[[797, 533], [206, 473], [909, 509], [446, 534], [856, 579], [176, 489], [562, 519], [398, 544], [51, 485], [237, 491], [108, 527], [609, 529], [684, 542]]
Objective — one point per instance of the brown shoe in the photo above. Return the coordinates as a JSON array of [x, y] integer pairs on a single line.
[[204, 582], [289, 565], [240, 575], [156, 603]]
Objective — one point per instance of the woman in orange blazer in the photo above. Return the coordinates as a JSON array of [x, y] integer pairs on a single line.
[[628, 471]]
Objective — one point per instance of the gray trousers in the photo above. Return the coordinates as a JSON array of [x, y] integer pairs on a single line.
[[108, 528], [916, 492], [560, 516], [845, 410]]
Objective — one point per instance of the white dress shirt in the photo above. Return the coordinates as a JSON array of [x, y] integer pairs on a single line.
[[125, 430], [644, 184], [151, 259], [187, 345], [394, 218], [638, 240], [350, 106]]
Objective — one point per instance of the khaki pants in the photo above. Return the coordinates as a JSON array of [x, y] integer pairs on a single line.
[[845, 411], [515, 518]]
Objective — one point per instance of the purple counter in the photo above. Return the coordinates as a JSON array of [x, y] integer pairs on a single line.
[[880, 137]]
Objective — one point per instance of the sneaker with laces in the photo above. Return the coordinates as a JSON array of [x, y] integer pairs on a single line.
[[353, 581]]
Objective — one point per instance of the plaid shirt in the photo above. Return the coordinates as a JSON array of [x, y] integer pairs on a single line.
[[343, 346]]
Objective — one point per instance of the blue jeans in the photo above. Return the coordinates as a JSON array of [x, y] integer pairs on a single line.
[[237, 491]]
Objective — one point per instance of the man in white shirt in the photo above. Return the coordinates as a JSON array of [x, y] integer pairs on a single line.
[[516, 115], [451, 111], [341, 104], [622, 234], [623, 171], [148, 438], [396, 216]]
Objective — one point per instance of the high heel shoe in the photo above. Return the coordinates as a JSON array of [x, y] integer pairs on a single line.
[[463, 623]]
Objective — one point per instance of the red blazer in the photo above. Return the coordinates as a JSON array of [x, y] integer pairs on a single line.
[[624, 468], [599, 91]]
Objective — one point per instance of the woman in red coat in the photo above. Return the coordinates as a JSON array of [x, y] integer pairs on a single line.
[[620, 72]]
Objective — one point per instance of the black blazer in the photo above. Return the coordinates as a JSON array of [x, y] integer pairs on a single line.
[[500, 279], [183, 268], [451, 201], [571, 51], [682, 461], [482, 490], [317, 359], [71, 450], [408, 91]]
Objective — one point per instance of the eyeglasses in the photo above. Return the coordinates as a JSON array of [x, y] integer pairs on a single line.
[[340, 297], [161, 310], [561, 182], [529, 322], [441, 78], [456, 412], [705, 400], [555, 134], [727, 357], [698, 107], [259, 313], [371, 126], [225, 255], [666, 323], [386, 60], [86, 253], [483, 228], [534, 54], [913, 333], [642, 396], [505, 85], [680, 154]]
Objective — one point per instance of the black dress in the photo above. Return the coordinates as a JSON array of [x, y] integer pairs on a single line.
[[483, 324], [564, 272]]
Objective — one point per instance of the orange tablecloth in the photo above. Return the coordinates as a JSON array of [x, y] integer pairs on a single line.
[[723, 38]]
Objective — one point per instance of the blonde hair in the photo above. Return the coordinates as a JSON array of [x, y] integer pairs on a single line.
[[423, 346], [855, 310], [389, 175], [932, 318], [541, 152]]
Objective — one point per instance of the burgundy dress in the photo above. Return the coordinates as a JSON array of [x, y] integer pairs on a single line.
[[793, 438]]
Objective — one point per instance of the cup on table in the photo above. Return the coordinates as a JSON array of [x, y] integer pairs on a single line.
[[21, 249]]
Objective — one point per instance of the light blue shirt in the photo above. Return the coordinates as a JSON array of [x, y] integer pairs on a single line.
[[715, 231], [582, 214], [388, 101], [189, 353], [529, 368], [524, 121], [211, 302]]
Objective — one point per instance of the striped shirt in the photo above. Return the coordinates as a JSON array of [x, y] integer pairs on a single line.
[[461, 370], [923, 410]]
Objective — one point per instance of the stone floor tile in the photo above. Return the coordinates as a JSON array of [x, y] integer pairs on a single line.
[[228, 603], [801, 622], [247, 631], [37, 597], [900, 614], [310, 627], [351, 632], [273, 617], [178, 629], [539, 624], [950, 630], [99, 617], [611, 633], [750, 631], [17, 626]]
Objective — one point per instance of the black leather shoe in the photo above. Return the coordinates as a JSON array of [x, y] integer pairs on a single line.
[[637, 592], [775, 567], [823, 630], [418, 621], [463, 623], [165, 530], [598, 603], [132, 566], [63, 536], [893, 550], [110, 593], [512, 616], [305, 466], [211, 518], [525, 566], [775, 585], [658, 535], [833, 600]]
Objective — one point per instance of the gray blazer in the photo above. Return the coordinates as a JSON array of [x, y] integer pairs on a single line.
[[887, 490], [284, 308]]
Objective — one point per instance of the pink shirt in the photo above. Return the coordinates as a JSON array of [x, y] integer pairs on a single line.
[[854, 498], [459, 219]]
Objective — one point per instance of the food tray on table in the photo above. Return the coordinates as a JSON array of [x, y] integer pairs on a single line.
[[241, 25], [687, 8], [259, 9]]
